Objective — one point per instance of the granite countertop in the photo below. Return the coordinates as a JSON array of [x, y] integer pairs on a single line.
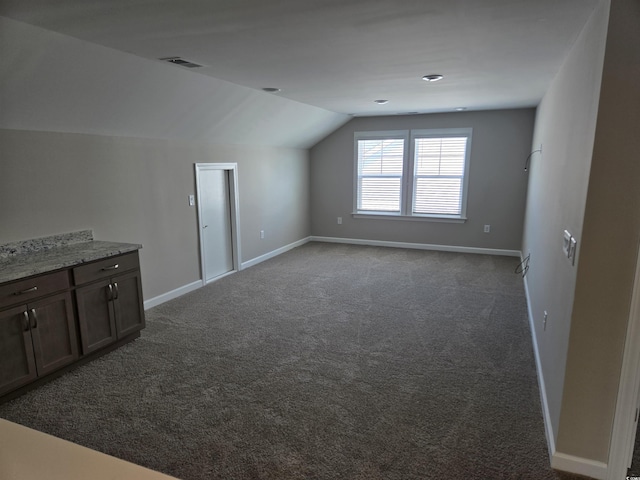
[[34, 257]]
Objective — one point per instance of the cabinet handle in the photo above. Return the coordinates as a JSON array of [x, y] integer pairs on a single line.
[[110, 292], [28, 290], [25, 322], [34, 318], [116, 293], [112, 267]]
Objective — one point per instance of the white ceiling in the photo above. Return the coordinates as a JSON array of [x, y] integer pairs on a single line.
[[341, 55]]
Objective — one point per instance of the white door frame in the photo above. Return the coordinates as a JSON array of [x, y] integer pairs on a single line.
[[623, 431], [232, 171]]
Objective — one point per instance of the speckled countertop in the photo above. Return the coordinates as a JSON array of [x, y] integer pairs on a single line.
[[32, 257]]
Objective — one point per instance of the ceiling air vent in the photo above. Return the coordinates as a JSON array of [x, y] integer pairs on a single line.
[[181, 61]]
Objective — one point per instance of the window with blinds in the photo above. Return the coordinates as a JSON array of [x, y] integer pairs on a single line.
[[424, 177], [439, 165], [380, 168]]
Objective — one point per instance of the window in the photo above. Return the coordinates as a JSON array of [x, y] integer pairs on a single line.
[[418, 173], [380, 167]]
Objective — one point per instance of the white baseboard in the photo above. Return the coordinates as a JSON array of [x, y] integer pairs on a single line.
[[418, 246], [581, 466], [165, 297], [559, 461], [546, 415], [274, 253]]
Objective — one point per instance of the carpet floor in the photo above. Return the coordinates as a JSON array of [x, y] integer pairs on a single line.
[[327, 362]]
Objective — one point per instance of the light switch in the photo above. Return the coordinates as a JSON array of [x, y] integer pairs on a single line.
[[566, 242], [572, 250], [192, 200]]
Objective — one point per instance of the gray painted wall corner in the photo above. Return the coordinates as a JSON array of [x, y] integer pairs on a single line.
[[497, 185]]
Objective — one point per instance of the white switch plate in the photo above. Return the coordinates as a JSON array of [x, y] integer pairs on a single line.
[[339, 220], [487, 228], [192, 200], [261, 234]]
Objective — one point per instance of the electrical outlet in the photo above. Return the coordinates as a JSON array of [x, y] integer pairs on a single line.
[[339, 220], [487, 228], [544, 320], [261, 234]]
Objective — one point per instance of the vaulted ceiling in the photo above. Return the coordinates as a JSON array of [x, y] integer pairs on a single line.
[[341, 55]]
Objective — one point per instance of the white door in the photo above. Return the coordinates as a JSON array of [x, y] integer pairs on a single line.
[[215, 212]]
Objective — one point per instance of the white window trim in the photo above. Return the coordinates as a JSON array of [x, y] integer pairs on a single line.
[[377, 135], [409, 137]]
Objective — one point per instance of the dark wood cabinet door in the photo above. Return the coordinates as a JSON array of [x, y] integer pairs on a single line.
[[128, 303], [96, 316], [53, 330], [17, 364]]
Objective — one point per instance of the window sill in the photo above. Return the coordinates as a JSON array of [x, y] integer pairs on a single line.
[[411, 218]]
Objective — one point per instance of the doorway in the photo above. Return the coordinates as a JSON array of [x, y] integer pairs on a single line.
[[218, 222]]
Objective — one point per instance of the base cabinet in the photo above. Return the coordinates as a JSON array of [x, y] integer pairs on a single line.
[[109, 308], [127, 305], [47, 322], [36, 339], [16, 350], [95, 316], [53, 332]]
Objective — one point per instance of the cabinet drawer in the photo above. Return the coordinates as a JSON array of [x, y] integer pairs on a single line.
[[23, 291], [105, 268]]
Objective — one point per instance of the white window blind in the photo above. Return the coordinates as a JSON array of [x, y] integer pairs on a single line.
[[412, 173], [439, 168], [380, 169]]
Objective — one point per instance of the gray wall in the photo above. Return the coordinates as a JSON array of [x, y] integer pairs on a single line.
[[587, 181], [95, 138], [136, 190], [497, 182], [53, 82], [565, 126], [610, 238]]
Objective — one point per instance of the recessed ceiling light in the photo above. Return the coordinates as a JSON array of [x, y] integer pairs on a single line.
[[433, 77], [272, 89], [461, 109], [381, 102]]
